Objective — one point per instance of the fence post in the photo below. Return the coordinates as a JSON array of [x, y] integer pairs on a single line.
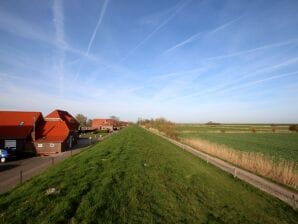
[[52, 160], [207, 159], [294, 201], [235, 172], [21, 176]]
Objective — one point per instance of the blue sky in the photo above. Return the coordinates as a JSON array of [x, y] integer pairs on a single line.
[[188, 61]]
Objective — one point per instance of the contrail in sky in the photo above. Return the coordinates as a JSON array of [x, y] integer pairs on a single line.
[[175, 11], [102, 13], [100, 19], [58, 19], [264, 47], [196, 36]]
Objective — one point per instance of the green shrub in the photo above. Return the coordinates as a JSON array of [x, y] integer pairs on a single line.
[[293, 127]]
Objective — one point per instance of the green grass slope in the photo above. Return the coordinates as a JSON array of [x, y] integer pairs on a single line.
[[279, 145], [137, 177]]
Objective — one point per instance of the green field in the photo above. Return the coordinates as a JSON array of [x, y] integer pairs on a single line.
[[281, 144], [137, 177], [232, 128]]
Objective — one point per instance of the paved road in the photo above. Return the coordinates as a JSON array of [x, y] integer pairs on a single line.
[[284, 194], [10, 172]]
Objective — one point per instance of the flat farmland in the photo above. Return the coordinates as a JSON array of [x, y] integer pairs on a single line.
[[277, 145], [270, 151], [137, 177], [232, 128]]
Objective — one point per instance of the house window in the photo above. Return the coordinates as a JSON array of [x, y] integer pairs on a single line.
[[10, 144], [52, 145], [39, 145]]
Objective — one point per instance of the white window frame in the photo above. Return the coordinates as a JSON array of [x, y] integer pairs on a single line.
[[39, 145], [52, 145]]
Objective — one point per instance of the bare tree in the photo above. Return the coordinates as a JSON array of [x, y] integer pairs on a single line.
[[114, 118], [81, 119], [89, 123]]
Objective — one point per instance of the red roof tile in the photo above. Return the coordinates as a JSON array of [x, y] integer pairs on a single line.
[[70, 121], [13, 118], [52, 131], [17, 124]]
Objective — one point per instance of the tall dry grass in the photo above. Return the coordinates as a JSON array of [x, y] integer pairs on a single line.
[[282, 171]]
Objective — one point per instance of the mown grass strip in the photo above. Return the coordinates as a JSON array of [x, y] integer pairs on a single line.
[[137, 177]]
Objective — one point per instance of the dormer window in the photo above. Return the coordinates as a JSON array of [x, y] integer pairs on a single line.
[[21, 123]]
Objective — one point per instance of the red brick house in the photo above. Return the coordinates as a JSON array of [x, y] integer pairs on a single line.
[[29, 131], [105, 124], [57, 133], [17, 129]]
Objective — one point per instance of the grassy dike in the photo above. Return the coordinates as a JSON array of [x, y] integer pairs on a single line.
[[137, 177]]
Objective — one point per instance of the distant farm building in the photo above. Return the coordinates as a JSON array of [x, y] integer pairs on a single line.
[[105, 124], [29, 131]]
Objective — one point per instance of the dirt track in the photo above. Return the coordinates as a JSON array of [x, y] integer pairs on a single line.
[[284, 194]]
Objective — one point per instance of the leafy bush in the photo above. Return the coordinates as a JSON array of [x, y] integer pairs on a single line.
[[293, 127], [162, 125]]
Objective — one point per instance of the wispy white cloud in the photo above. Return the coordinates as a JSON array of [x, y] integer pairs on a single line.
[[16, 25], [174, 12], [11, 79], [166, 78], [259, 81], [239, 82], [155, 18], [174, 87], [224, 26], [58, 19], [142, 88]]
